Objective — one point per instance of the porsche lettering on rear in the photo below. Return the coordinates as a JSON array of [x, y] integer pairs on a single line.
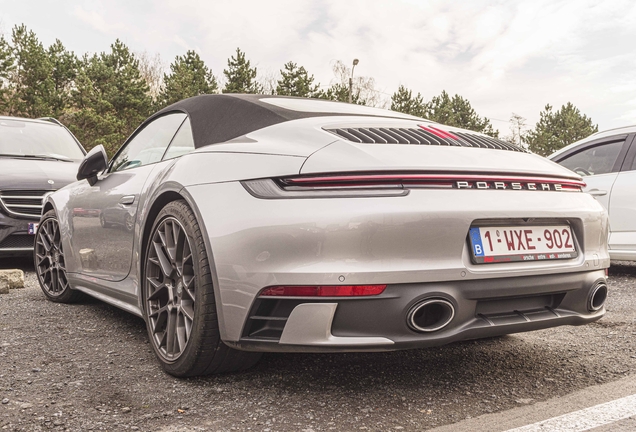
[[507, 185]]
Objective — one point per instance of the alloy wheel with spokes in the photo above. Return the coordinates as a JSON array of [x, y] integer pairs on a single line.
[[179, 298], [50, 263], [170, 288]]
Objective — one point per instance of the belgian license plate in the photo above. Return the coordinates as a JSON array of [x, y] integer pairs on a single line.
[[515, 243], [33, 227]]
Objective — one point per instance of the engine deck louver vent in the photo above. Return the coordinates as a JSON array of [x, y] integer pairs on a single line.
[[421, 136]]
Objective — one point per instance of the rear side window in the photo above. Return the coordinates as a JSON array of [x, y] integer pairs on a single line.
[[182, 142], [595, 160]]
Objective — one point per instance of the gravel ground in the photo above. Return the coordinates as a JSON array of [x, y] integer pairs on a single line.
[[89, 366]]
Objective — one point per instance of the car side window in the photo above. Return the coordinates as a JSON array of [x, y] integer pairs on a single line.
[[599, 159], [149, 144], [182, 142]]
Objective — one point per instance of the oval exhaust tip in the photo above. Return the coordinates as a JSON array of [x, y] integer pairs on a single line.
[[431, 315], [597, 298]]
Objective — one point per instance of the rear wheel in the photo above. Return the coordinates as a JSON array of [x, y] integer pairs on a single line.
[[179, 299], [50, 264]]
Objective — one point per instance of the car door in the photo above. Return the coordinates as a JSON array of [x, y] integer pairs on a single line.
[[622, 208], [105, 240], [599, 163]]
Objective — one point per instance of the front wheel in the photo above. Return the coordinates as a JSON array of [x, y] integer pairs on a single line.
[[50, 264], [179, 300], [102, 221]]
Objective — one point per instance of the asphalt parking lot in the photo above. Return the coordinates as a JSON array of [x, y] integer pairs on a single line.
[[89, 366]]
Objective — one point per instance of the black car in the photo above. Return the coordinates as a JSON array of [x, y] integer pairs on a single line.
[[37, 157]]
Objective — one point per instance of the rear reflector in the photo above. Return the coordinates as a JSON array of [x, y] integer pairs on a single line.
[[323, 291]]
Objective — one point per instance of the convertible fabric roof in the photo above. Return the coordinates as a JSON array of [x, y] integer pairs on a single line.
[[220, 118]]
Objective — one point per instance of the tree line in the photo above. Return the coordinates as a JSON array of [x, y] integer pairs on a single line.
[[104, 96]]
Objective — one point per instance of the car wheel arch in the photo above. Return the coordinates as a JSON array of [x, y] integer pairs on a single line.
[[160, 202], [163, 199], [48, 206]]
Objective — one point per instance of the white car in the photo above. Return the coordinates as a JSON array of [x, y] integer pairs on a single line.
[[607, 163]]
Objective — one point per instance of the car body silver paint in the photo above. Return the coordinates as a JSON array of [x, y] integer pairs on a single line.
[[203, 167], [113, 259], [414, 238], [310, 324]]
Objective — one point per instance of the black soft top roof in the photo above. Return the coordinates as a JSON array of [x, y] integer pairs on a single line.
[[220, 118]]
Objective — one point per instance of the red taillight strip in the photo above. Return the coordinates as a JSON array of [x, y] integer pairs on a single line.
[[323, 290], [567, 186], [338, 180]]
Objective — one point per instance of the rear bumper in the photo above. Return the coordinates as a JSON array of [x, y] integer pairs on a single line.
[[414, 242], [482, 309]]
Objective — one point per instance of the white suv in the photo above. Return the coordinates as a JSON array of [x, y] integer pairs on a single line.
[[607, 162]]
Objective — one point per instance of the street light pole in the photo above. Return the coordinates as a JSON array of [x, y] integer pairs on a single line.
[[355, 62]]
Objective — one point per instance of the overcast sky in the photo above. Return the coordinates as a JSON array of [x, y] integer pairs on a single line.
[[503, 56]]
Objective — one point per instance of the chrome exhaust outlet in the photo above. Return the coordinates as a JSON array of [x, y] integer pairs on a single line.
[[597, 297], [430, 315]]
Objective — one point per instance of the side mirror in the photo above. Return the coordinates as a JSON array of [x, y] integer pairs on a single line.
[[93, 163]]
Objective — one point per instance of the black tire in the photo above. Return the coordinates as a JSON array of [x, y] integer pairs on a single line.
[[182, 290], [50, 265], [102, 221]]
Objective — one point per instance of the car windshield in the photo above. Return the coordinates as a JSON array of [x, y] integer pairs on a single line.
[[34, 140]]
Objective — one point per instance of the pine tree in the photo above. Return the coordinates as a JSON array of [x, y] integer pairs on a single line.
[[110, 100], [241, 78], [64, 65], [457, 111], [557, 129], [30, 79], [296, 81], [404, 102], [189, 76], [6, 69], [340, 92]]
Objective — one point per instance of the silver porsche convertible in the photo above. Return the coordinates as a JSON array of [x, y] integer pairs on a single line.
[[240, 224]]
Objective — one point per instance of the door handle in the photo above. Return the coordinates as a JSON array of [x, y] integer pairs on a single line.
[[127, 200], [597, 192]]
